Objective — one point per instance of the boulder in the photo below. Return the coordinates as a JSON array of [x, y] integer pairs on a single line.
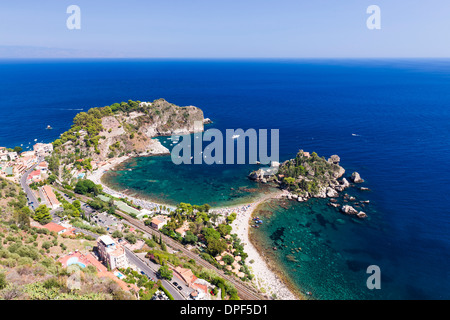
[[336, 205], [322, 193], [348, 210], [361, 215], [256, 175], [345, 183], [334, 159], [356, 178], [364, 189], [331, 193], [339, 173]]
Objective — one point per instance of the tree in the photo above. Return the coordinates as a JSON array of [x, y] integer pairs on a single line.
[[42, 214], [190, 237], [3, 282], [210, 233], [22, 217], [224, 229], [87, 186], [228, 259], [165, 272], [18, 149], [52, 178], [231, 217], [77, 204], [117, 234], [131, 238], [216, 246]]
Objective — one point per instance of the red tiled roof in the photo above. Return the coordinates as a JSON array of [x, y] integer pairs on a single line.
[[54, 227]]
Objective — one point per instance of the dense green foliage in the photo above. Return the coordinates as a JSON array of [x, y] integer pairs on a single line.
[[306, 173]]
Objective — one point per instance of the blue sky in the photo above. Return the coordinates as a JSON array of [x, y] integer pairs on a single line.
[[225, 29]]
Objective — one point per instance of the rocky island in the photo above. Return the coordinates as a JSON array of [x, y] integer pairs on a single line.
[[310, 176], [306, 176]]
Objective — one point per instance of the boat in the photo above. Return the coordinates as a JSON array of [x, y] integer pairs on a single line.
[[235, 136], [49, 127]]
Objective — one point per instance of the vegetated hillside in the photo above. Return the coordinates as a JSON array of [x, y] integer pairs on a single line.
[[128, 127], [13, 204], [28, 266]]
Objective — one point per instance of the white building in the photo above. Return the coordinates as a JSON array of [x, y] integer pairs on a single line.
[[43, 148], [12, 155], [112, 253]]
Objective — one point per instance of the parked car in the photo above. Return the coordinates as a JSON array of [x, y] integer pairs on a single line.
[[175, 284], [180, 288]]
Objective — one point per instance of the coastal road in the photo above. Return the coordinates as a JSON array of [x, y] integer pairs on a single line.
[[23, 182], [151, 271]]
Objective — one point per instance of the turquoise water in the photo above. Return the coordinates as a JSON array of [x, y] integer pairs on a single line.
[[158, 179]]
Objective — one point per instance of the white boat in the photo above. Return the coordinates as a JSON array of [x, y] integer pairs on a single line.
[[235, 136]]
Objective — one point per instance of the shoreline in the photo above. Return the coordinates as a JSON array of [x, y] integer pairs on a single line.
[[266, 279]]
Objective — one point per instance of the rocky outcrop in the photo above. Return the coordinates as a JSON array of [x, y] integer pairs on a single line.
[[257, 175], [335, 159], [356, 178], [348, 210], [332, 193]]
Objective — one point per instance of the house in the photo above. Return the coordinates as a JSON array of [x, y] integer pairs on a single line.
[[182, 230], [51, 226], [43, 166], [28, 158], [4, 157], [34, 176], [112, 253], [186, 275], [158, 222], [49, 197], [43, 148]]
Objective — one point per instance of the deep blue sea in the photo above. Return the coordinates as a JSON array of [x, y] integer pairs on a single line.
[[387, 119]]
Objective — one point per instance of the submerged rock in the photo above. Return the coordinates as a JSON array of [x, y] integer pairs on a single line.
[[361, 215]]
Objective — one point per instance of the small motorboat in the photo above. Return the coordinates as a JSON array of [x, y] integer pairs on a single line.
[[49, 127]]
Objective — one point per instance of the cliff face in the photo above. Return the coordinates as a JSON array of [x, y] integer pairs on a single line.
[[131, 131]]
